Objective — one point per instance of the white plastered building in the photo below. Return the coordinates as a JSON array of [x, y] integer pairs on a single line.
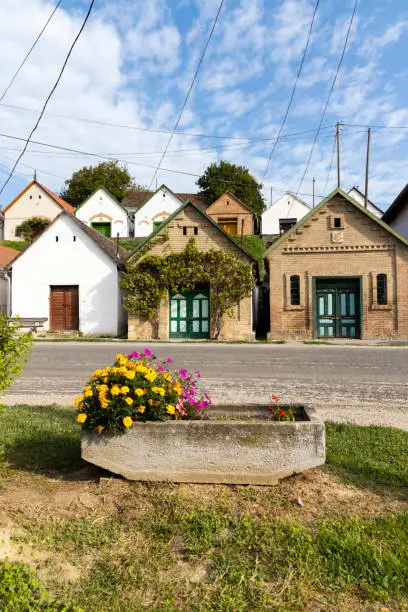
[[102, 212], [69, 275], [282, 214]]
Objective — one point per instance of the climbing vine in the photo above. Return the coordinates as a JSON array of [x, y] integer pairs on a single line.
[[146, 282]]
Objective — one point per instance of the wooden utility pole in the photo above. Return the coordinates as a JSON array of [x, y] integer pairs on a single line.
[[271, 196], [314, 181], [338, 153], [367, 167]]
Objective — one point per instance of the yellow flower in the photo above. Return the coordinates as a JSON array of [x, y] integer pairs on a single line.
[[105, 380], [104, 403], [166, 376], [79, 400], [81, 418], [124, 390], [127, 421], [171, 409], [115, 390], [130, 375], [158, 390], [142, 369], [141, 409], [129, 401], [139, 392], [103, 388], [178, 389], [88, 393], [100, 429], [122, 370]]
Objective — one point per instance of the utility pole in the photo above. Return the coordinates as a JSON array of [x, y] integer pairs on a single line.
[[314, 181], [367, 167], [338, 153], [271, 196]]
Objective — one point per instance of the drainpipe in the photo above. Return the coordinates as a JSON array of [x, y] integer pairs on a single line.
[[8, 279]]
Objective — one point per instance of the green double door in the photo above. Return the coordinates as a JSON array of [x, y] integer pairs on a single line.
[[190, 314], [338, 308]]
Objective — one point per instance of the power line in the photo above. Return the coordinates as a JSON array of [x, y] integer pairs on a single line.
[[330, 94], [293, 93], [49, 95], [188, 92], [13, 78]]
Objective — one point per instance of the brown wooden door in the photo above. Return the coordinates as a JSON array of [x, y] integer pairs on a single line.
[[64, 307]]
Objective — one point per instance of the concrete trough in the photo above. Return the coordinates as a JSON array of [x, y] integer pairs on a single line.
[[235, 445]]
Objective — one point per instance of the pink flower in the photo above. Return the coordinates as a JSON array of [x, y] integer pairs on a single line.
[[183, 373], [133, 355], [169, 360], [147, 352], [197, 373], [160, 368]]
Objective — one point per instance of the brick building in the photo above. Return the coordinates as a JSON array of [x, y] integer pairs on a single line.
[[187, 315], [339, 272], [232, 215]]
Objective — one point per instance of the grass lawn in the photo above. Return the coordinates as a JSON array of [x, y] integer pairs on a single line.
[[330, 539], [17, 245]]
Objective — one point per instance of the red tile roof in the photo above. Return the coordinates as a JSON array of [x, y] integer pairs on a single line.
[[53, 195], [6, 255]]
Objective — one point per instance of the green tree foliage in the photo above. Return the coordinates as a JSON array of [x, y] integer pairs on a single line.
[[31, 228], [112, 175], [146, 282], [224, 176], [14, 351]]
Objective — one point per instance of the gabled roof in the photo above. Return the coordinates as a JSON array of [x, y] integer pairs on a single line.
[[137, 199], [293, 195], [105, 244], [7, 255], [396, 207], [101, 188], [236, 198], [53, 195], [314, 210], [174, 215], [363, 196]]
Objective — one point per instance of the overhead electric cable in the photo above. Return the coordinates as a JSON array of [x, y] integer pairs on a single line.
[[50, 94], [188, 92], [13, 78], [329, 96], [292, 94]]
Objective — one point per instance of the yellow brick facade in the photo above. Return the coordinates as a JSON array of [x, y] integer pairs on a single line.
[[360, 248], [229, 207], [207, 236]]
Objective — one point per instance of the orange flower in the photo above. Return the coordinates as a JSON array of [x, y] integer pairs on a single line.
[[100, 429]]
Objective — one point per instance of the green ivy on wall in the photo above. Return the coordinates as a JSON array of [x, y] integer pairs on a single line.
[[146, 282]]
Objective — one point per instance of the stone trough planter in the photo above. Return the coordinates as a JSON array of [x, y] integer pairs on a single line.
[[235, 445]]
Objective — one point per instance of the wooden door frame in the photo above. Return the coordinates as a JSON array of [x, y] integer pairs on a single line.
[[50, 306], [337, 278]]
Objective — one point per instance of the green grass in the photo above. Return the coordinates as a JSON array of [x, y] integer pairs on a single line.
[[17, 245], [39, 439], [199, 548], [130, 244], [377, 455], [255, 247]]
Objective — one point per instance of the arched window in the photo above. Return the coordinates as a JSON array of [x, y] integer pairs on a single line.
[[295, 290], [382, 297]]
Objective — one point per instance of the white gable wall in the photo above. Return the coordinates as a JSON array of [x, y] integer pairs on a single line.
[[353, 193], [67, 262], [160, 206], [287, 207], [102, 208], [35, 202]]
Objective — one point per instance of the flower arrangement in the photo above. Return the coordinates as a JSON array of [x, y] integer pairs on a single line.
[[139, 387], [278, 413]]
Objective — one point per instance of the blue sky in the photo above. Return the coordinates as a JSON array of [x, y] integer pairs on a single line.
[[135, 62]]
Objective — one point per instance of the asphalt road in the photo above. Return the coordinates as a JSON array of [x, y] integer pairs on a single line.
[[367, 384]]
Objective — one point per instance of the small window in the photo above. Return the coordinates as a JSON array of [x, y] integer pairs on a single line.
[[39, 196], [286, 224], [195, 231], [56, 238], [295, 290], [382, 297], [185, 230], [74, 238], [31, 197], [337, 221]]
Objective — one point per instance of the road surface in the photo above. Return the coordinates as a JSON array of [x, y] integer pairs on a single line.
[[367, 384]]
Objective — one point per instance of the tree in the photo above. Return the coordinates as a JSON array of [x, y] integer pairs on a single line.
[[14, 351], [31, 228], [222, 177], [109, 174]]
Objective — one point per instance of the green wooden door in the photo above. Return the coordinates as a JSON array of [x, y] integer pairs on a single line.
[[337, 309], [190, 314], [102, 228]]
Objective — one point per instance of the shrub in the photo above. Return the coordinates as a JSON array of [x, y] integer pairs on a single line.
[[31, 228], [14, 351], [138, 388]]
